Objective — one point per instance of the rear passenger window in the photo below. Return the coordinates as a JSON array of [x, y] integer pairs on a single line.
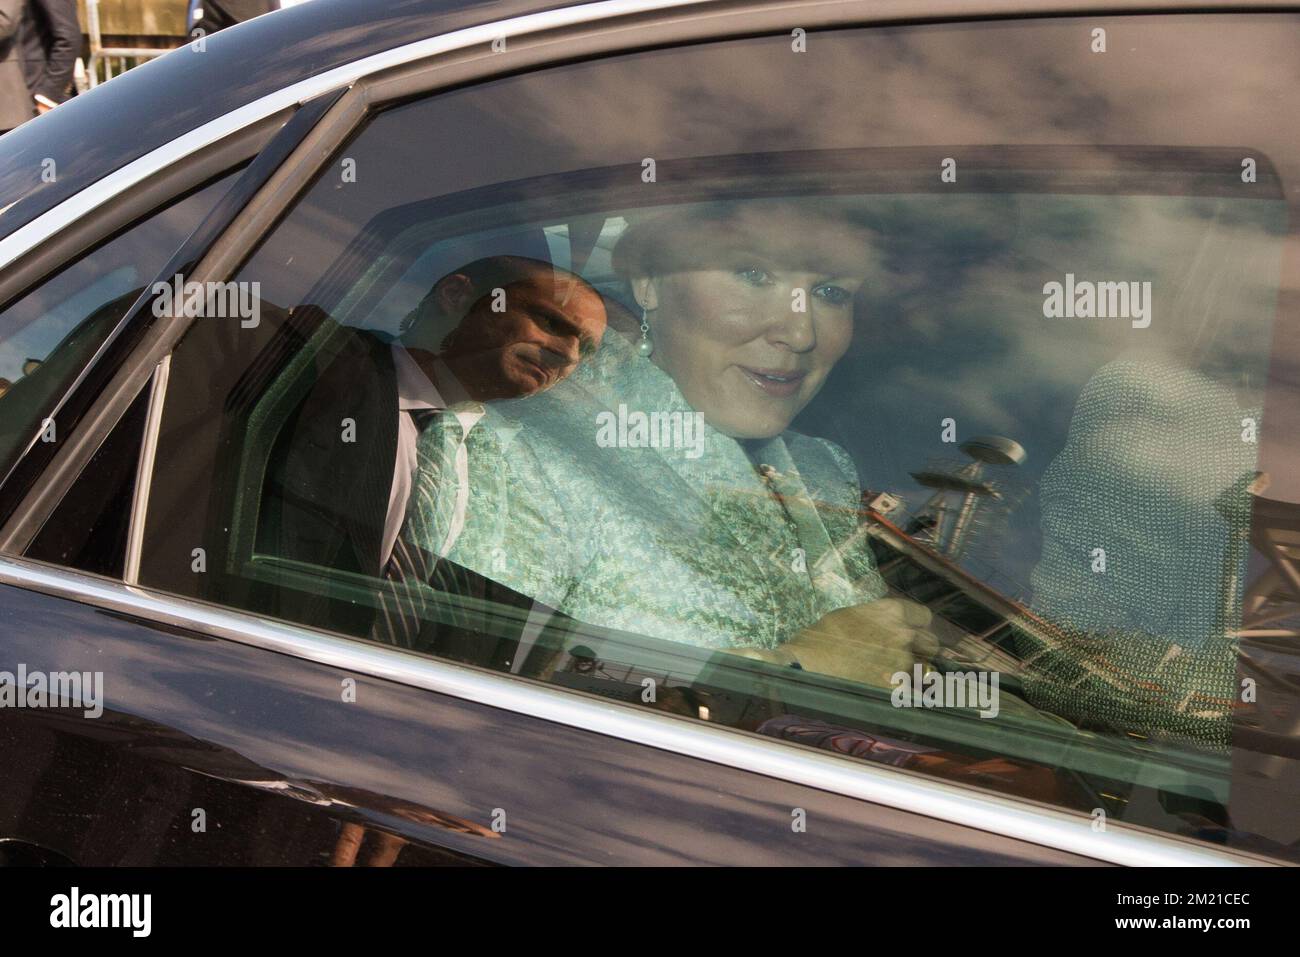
[[949, 428], [89, 529], [49, 334]]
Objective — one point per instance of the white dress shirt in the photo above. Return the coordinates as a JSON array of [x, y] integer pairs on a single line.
[[416, 391]]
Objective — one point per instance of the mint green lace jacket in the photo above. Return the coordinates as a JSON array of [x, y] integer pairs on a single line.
[[694, 545]]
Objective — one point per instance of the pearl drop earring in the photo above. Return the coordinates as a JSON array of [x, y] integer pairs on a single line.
[[645, 347]]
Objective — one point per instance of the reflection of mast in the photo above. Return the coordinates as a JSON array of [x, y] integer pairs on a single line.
[[947, 524]]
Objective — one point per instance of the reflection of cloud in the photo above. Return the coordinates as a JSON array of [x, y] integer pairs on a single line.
[[972, 340], [962, 334], [1022, 83]]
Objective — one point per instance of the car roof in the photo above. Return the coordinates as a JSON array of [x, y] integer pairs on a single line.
[[107, 127]]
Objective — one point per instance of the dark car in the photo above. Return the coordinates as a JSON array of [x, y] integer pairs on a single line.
[[908, 473]]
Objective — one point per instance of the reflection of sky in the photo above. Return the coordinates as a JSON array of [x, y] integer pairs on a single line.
[[953, 328], [1168, 81], [960, 331], [37, 339], [956, 330], [36, 323]]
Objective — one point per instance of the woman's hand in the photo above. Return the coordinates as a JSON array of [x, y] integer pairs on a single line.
[[866, 643]]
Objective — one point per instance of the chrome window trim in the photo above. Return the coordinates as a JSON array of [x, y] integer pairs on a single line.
[[994, 814], [809, 12], [144, 471]]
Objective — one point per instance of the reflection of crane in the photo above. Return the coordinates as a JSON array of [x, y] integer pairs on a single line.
[[949, 524], [1273, 599]]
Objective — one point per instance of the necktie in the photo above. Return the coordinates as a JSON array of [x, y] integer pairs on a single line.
[[818, 561], [405, 605]]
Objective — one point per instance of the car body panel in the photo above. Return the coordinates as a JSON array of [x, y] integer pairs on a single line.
[[265, 744]]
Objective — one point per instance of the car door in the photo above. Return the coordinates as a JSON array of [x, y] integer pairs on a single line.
[[251, 713]]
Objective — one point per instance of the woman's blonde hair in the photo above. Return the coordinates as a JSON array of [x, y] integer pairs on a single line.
[[658, 241]]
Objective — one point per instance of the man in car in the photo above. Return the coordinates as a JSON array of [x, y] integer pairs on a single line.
[[353, 456]]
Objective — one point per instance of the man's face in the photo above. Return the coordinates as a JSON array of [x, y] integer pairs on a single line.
[[547, 324]]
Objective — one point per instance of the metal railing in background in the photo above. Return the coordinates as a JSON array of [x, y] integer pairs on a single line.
[[107, 62]]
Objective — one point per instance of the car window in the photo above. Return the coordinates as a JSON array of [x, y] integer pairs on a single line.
[[948, 428], [89, 528], [49, 333]]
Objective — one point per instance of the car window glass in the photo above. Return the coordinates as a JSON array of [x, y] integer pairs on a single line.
[[949, 429], [50, 332]]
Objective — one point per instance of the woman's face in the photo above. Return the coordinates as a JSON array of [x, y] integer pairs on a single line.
[[751, 338]]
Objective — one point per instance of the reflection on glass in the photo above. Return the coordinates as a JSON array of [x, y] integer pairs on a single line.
[[988, 478]]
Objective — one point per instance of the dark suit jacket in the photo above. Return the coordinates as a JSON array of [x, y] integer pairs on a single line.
[[327, 500], [51, 40], [334, 493]]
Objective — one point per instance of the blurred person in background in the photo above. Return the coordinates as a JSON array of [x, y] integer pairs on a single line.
[[49, 40], [15, 103]]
